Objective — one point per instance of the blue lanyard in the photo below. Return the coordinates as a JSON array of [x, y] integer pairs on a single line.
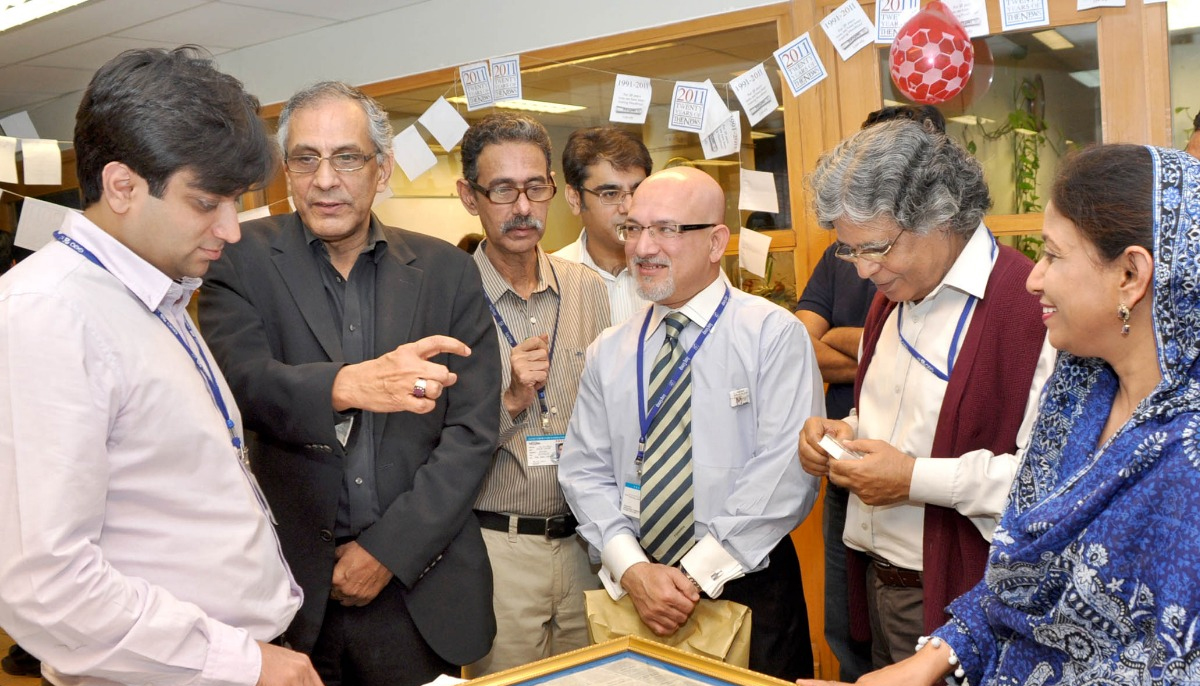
[[645, 416], [512, 342], [953, 352], [206, 371]]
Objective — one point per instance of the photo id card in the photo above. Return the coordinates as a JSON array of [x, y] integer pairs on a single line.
[[544, 450], [631, 500]]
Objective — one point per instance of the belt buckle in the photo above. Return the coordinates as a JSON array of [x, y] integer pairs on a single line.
[[556, 527]]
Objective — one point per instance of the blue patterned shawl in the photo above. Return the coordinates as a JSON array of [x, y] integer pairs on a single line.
[[1094, 573]]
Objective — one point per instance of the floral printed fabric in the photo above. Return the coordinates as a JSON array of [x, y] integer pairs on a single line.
[[1094, 572]]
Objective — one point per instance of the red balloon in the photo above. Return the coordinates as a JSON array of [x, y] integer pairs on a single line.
[[931, 58]]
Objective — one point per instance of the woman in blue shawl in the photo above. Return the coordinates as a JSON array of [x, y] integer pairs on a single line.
[[1094, 572]]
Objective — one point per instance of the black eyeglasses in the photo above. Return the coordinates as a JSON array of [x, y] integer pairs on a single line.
[[877, 255], [507, 195], [608, 196], [342, 162], [630, 231]]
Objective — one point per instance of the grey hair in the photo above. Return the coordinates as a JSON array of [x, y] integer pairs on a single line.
[[904, 173], [501, 127], [378, 125]]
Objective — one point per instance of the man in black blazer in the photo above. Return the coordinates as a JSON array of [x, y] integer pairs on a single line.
[[364, 361]]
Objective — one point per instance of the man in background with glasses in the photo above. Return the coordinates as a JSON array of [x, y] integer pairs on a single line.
[[364, 360], [954, 357], [603, 167], [546, 311], [681, 459]]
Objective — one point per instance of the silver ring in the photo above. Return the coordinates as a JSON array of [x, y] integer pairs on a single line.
[[419, 388]]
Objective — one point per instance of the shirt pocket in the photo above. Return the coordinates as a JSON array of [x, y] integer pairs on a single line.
[[722, 435]]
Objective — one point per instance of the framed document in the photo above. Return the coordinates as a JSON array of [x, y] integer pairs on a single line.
[[629, 661]]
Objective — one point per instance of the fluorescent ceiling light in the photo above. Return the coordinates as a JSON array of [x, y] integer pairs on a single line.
[[1054, 40], [17, 12], [971, 120], [760, 135], [1089, 78], [526, 105], [594, 58], [892, 103], [1182, 15], [715, 163]]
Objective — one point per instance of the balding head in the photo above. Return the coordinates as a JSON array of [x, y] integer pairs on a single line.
[[671, 269]]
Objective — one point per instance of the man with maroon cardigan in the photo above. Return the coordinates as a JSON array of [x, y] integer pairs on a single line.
[[953, 360]]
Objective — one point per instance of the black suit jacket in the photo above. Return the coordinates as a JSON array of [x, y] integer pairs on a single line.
[[266, 317]]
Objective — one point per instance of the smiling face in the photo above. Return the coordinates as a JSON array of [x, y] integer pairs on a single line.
[[336, 206], [600, 220], [515, 228], [914, 266]]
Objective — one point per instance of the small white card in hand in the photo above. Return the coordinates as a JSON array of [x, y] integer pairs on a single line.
[[836, 450], [631, 99]]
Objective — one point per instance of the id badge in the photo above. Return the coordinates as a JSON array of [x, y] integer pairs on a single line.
[[631, 500], [544, 451]]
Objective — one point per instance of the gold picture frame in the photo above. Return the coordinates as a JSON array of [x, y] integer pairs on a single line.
[[689, 668]]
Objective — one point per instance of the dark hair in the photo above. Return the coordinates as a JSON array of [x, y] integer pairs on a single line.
[[6, 250], [927, 115], [470, 241], [621, 148], [1107, 191], [1196, 122], [160, 111], [501, 127]]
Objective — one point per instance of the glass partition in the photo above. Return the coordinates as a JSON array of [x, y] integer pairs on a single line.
[[1183, 23]]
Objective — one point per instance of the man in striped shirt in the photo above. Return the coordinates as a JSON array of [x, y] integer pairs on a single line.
[[546, 310]]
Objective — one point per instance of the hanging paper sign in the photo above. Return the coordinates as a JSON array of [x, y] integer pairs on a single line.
[[849, 29], [445, 123], [688, 103], [42, 162], [412, 153], [38, 222], [758, 191], [506, 78], [1023, 14], [256, 213], [715, 111], [890, 15], [8, 159], [753, 249], [477, 85], [972, 14], [802, 68], [755, 93], [631, 100], [726, 139], [1093, 4]]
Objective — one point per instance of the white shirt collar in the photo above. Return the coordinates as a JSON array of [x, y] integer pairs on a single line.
[[973, 267]]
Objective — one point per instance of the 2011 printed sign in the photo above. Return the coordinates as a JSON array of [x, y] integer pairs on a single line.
[[802, 67], [477, 84], [687, 106]]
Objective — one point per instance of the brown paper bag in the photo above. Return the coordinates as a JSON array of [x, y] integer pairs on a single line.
[[718, 629]]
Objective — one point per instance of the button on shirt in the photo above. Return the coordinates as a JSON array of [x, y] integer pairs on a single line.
[[900, 402], [136, 547], [580, 304], [623, 298]]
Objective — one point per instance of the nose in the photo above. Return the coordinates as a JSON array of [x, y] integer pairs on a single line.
[[325, 176], [1033, 283], [623, 205], [226, 226], [866, 268], [522, 206]]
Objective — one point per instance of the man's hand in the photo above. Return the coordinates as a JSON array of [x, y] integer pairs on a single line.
[[386, 383], [283, 667], [530, 369], [882, 477], [357, 577], [813, 457], [663, 596]]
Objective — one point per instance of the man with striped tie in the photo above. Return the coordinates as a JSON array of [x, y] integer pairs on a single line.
[[678, 461]]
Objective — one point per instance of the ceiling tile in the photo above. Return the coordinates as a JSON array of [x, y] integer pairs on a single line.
[[92, 54], [13, 102], [19, 78], [342, 11], [221, 25]]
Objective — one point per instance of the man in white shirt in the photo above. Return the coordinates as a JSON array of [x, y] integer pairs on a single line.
[[137, 547], [680, 461], [603, 167]]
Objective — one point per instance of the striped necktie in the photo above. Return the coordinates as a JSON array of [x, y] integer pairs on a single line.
[[666, 504]]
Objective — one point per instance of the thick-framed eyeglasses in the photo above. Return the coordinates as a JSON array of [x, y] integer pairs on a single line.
[[507, 195], [877, 255], [631, 231], [341, 162], [608, 196]]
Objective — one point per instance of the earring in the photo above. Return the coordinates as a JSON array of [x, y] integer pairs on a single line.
[[1123, 315]]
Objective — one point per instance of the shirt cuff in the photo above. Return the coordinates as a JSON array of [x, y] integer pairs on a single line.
[[619, 554], [234, 659], [933, 481], [711, 566]]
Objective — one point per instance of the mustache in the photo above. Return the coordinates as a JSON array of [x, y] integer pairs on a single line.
[[521, 221], [658, 260]]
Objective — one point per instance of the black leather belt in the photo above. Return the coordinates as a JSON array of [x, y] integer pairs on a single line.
[[559, 526], [891, 575]]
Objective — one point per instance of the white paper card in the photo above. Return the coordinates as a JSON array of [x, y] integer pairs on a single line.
[[631, 100], [1023, 14], [689, 101], [849, 29], [758, 192], [802, 68], [972, 14], [1093, 4], [754, 92], [477, 84], [1156, 2], [890, 15], [715, 111], [445, 123], [19, 125], [256, 213], [544, 451], [631, 500], [8, 160], [506, 78], [382, 195], [412, 154], [38, 222], [42, 162], [725, 139], [753, 248]]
